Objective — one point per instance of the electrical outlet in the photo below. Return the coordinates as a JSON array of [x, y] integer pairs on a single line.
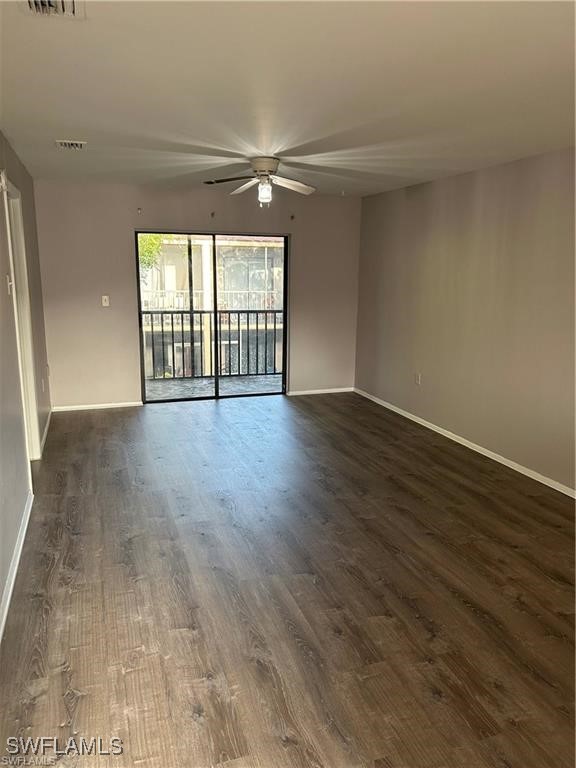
[[418, 379], [105, 301]]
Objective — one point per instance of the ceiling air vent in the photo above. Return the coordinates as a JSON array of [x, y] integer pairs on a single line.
[[69, 8], [70, 144]]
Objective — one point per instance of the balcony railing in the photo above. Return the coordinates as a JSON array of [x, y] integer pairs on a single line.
[[181, 344], [169, 300], [229, 300]]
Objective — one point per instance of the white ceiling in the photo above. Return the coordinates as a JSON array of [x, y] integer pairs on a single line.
[[355, 97]]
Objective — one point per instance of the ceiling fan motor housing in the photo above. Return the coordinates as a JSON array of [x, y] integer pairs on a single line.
[[264, 166]]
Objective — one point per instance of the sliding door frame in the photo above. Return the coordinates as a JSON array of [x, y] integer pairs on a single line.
[[216, 353]]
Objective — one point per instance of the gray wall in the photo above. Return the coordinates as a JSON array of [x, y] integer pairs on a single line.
[[13, 458], [470, 281], [86, 234]]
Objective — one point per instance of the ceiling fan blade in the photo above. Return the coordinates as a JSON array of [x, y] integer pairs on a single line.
[[233, 178], [295, 186], [246, 186]]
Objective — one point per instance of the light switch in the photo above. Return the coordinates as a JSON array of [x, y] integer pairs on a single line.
[[105, 301]]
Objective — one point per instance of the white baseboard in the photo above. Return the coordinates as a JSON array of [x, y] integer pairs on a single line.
[[473, 446], [95, 406], [14, 563], [45, 435], [295, 393]]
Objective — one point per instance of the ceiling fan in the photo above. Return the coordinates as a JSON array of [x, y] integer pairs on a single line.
[[264, 175]]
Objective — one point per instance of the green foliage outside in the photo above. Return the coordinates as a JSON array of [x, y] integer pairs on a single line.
[[149, 245]]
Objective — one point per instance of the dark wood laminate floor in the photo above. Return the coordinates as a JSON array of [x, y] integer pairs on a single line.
[[311, 582]]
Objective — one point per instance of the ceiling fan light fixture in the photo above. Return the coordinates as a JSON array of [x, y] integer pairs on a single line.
[[264, 175], [264, 192]]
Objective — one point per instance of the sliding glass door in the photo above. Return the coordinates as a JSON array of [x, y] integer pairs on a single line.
[[250, 303], [212, 315]]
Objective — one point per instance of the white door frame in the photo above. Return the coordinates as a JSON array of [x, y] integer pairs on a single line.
[[17, 285]]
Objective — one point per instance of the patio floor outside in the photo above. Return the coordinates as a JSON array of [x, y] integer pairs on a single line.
[[185, 389]]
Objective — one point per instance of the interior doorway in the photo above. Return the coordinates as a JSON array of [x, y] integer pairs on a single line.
[[18, 288], [212, 313]]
